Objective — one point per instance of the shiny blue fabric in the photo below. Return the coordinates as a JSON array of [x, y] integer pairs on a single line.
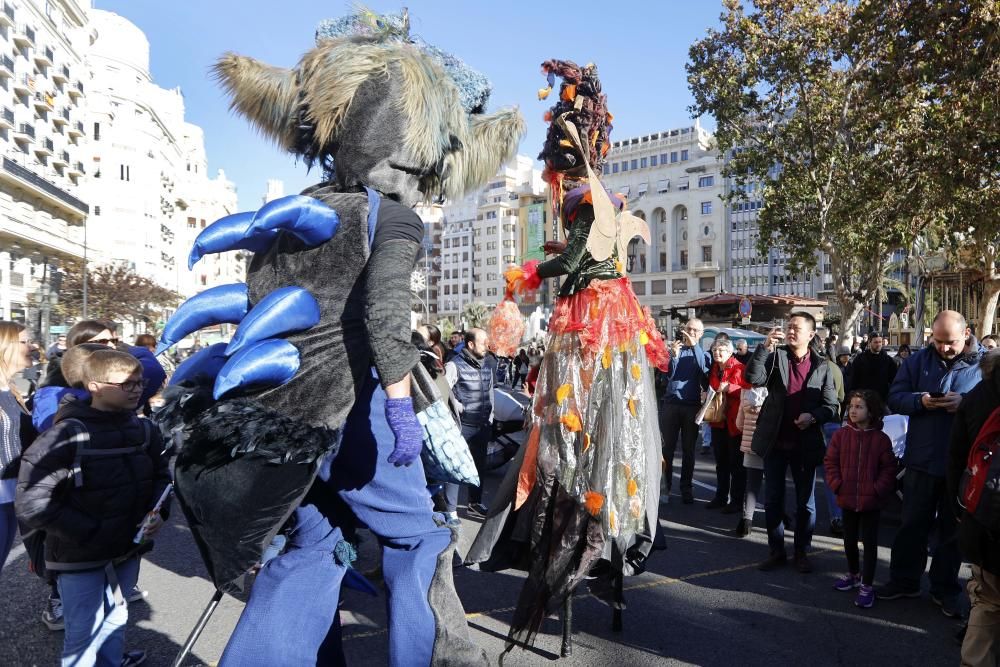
[[283, 311], [225, 303], [206, 361], [268, 362], [310, 220]]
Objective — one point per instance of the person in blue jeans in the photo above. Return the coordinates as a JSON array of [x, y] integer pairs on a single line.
[[801, 397], [929, 388], [15, 426]]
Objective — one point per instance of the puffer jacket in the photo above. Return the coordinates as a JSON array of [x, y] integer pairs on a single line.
[[90, 515], [976, 544], [929, 431], [860, 468], [731, 373]]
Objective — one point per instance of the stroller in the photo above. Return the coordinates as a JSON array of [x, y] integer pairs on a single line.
[[509, 410]]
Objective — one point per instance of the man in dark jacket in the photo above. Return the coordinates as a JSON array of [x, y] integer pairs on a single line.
[[801, 398], [471, 379], [873, 369], [685, 379], [929, 388], [977, 546]]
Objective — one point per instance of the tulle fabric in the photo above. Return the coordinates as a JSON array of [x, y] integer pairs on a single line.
[[594, 416]]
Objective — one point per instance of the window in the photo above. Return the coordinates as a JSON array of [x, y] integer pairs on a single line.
[[639, 287], [679, 286], [663, 185], [624, 165], [682, 182], [465, 257], [192, 223], [706, 181], [635, 164], [706, 253], [652, 160], [684, 260], [625, 190], [97, 131], [642, 188], [706, 230], [643, 163], [706, 284], [606, 170], [684, 155], [97, 210], [658, 287], [465, 241], [706, 208], [673, 156], [124, 172], [491, 261], [614, 168]]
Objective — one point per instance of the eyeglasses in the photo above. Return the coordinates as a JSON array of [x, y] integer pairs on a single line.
[[104, 341], [128, 385]]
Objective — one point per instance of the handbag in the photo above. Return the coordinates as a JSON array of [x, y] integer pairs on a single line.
[[715, 407], [445, 455]]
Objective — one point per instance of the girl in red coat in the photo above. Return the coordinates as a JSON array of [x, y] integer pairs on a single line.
[[726, 375], [861, 471]]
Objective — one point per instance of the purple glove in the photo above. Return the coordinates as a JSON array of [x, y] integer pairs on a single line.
[[408, 431]]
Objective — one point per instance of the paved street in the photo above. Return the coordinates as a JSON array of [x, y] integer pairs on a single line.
[[703, 602]]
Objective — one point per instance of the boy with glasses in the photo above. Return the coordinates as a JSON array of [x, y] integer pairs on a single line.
[[90, 505]]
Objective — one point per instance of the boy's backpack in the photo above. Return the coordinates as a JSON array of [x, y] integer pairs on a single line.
[[979, 488], [34, 541]]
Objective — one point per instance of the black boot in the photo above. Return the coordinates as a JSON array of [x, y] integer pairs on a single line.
[[743, 528]]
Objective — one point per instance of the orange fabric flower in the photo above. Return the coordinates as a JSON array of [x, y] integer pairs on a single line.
[[632, 406], [632, 487], [593, 501], [643, 338], [571, 421], [606, 358], [586, 441], [563, 392]]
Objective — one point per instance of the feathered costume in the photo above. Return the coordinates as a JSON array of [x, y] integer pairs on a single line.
[[581, 499], [290, 423]]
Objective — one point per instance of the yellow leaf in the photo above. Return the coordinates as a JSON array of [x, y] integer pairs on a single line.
[[563, 392], [636, 371], [644, 338], [632, 406], [606, 359], [632, 487], [571, 422]]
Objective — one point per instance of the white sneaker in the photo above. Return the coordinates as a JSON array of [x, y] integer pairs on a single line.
[[137, 594], [52, 617]]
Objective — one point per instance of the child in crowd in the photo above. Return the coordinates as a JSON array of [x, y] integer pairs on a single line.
[[861, 470], [46, 400], [90, 505], [751, 401]]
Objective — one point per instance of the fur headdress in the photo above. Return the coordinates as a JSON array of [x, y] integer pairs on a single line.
[[376, 107]]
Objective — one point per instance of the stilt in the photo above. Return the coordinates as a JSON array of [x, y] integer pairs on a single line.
[[567, 629], [198, 628]]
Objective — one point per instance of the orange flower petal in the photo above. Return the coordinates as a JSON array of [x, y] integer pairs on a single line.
[[586, 441], [636, 371], [593, 501], [632, 487], [632, 406], [563, 392], [571, 422]]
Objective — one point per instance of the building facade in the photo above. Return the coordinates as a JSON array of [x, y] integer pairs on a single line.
[[672, 180], [43, 206]]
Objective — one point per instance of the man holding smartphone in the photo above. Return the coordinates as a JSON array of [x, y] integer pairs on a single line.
[[929, 387]]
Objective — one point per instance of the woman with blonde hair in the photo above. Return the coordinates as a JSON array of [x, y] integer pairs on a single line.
[[15, 425]]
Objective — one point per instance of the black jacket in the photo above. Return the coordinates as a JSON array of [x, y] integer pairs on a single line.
[[90, 517], [474, 389], [873, 371], [820, 400], [976, 545]]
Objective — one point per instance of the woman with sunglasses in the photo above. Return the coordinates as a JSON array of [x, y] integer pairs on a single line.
[[15, 426]]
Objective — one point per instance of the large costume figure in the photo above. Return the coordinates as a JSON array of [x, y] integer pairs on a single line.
[[305, 415], [582, 498]]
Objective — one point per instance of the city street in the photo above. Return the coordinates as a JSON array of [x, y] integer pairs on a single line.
[[702, 602]]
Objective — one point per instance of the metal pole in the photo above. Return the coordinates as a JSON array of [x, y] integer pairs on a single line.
[[566, 649], [84, 268], [198, 628]]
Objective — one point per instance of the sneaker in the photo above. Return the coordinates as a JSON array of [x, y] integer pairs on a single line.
[[949, 606], [132, 658], [52, 617], [866, 597], [452, 519], [477, 510], [802, 563], [773, 562], [137, 595], [837, 527], [848, 582], [894, 591], [716, 503]]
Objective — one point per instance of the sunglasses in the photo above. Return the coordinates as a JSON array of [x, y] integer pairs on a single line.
[[104, 341], [128, 385]]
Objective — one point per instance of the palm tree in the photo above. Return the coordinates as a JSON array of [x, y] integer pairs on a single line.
[[476, 315]]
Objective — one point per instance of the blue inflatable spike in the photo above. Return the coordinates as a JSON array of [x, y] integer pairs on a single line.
[[309, 219], [267, 362], [207, 361], [357, 581], [229, 233], [283, 311], [225, 303]]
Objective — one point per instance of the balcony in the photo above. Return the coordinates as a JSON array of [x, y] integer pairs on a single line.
[[679, 266], [44, 57], [77, 169], [706, 267], [24, 36], [25, 134], [76, 129], [45, 148], [6, 67], [61, 118], [61, 159], [76, 90], [25, 179], [43, 102], [7, 118], [7, 15], [24, 85], [61, 75]]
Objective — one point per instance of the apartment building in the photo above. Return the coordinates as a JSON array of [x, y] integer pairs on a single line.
[[42, 135], [673, 180]]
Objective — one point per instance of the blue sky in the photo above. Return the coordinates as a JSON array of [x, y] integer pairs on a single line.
[[640, 47]]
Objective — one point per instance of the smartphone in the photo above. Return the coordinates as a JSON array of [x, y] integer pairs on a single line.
[[936, 394]]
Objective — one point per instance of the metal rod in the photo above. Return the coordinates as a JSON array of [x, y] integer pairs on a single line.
[[198, 628], [567, 629]]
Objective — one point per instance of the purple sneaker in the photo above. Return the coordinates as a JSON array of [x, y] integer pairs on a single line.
[[848, 582], [866, 598]]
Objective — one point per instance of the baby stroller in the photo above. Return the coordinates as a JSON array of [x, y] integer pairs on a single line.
[[509, 410]]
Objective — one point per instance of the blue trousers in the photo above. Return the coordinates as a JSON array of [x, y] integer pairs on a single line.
[[776, 463], [291, 617], [95, 622]]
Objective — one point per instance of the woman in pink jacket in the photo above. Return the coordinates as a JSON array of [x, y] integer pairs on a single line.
[[861, 471]]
